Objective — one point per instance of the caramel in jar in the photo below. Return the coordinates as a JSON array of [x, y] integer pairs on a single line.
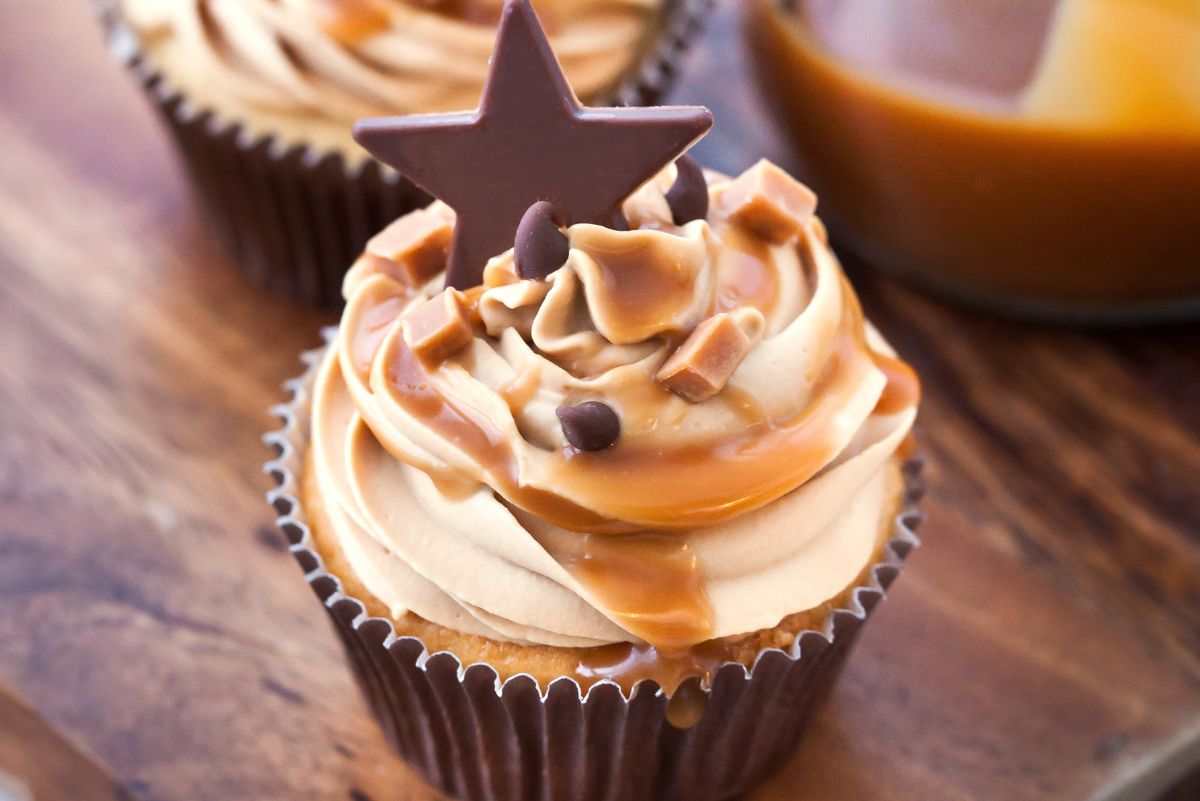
[[1028, 155]]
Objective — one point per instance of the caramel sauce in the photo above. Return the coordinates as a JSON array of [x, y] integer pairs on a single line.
[[942, 152], [686, 705], [745, 274], [645, 406], [521, 390], [741, 403], [627, 663], [372, 325], [517, 394], [471, 299], [649, 581], [411, 388], [352, 21], [480, 12], [641, 285], [902, 389]]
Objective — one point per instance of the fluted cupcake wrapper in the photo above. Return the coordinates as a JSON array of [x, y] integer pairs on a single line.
[[478, 737], [294, 218]]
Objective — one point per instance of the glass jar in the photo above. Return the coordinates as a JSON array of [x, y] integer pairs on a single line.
[[1036, 156]]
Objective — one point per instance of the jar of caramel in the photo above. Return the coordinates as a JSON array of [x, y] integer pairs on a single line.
[[1036, 156]]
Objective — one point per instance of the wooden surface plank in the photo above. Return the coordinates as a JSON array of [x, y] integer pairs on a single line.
[[1045, 644], [36, 762]]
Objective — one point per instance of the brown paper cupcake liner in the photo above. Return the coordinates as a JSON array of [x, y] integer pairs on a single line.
[[295, 218], [478, 737]]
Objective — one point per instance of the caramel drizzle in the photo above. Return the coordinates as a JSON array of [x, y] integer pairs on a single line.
[[903, 388], [746, 276], [650, 583], [637, 287], [351, 22], [708, 482], [635, 487], [412, 388], [627, 663], [372, 326], [638, 487]]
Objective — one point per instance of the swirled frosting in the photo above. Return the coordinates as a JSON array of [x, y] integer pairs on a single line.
[[326, 63], [454, 494]]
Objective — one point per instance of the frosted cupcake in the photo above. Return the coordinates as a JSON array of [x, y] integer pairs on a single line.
[[261, 95], [601, 509], [681, 434]]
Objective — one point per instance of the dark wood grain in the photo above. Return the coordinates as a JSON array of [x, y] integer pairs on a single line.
[[1045, 644]]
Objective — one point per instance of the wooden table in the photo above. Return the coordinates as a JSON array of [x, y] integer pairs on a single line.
[[156, 642]]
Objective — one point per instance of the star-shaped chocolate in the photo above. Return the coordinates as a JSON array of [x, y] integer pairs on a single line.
[[529, 140]]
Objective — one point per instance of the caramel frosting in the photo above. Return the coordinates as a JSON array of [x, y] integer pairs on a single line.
[[454, 494], [340, 60]]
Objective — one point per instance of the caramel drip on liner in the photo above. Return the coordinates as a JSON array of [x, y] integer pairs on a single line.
[[670, 669]]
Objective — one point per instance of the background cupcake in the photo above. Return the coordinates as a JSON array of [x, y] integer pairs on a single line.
[[260, 96]]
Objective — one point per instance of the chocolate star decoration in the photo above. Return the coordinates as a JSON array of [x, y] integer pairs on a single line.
[[529, 140]]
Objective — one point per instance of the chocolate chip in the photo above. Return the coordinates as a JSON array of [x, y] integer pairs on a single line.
[[688, 196], [589, 426], [540, 248]]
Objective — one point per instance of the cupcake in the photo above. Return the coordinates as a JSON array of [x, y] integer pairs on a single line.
[[261, 95], [597, 513]]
